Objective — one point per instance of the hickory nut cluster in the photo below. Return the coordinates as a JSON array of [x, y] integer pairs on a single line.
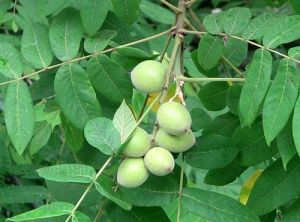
[[174, 134]]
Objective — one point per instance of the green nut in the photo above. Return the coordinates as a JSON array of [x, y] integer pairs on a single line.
[[139, 144], [159, 161], [174, 118], [132, 172], [175, 144], [149, 76]]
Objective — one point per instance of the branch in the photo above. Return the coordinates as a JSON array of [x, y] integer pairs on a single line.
[[91, 55], [244, 40], [186, 79], [174, 8], [107, 162]]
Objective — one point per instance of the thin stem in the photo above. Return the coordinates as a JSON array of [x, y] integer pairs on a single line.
[[180, 190], [174, 8], [196, 19], [100, 211], [15, 6], [107, 162], [186, 79], [244, 40], [232, 66], [144, 106], [166, 46], [90, 56]]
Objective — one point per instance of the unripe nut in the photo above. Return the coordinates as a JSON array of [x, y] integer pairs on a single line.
[[175, 144], [174, 118], [159, 161], [149, 76], [132, 172], [139, 144]]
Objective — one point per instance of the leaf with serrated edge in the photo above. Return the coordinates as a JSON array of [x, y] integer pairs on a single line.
[[77, 173], [280, 99], [255, 87], [124, 121], [19, 116]]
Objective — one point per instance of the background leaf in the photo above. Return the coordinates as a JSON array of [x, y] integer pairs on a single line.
[[214, 206], [210, 51], [93, 14], [126, 10], [236, 20]]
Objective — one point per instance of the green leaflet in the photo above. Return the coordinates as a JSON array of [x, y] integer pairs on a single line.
[[293, 213], [213, 95], [280, 99], [156, 13], [93, 14], [105, 187], [258, 27], [255, 87], [210, 50], [75, 95], [103, 135], [273, 184], [285, 144], [35, 45], [213, 23], [19, 116], [10, 61], [126, 10], [99, 41], [236, 20], [65, 34], [46, 211], [124, 121], [215, 206], [211, 152], [22, 194], [154, 192], [296, 126], [283, 30], [253, 146], [77, 173], [109, 78]]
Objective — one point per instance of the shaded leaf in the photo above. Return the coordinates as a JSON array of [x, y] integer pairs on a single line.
[[210, 50], [93, 14], [214, 23], [213, 95], [157, 13], [253, 146], [273, 185], [235, 51], [233, 98], [126, 10], [296, 126], [293, 213], [105, 186], [22, 194], [211, 152], [215, 206]]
